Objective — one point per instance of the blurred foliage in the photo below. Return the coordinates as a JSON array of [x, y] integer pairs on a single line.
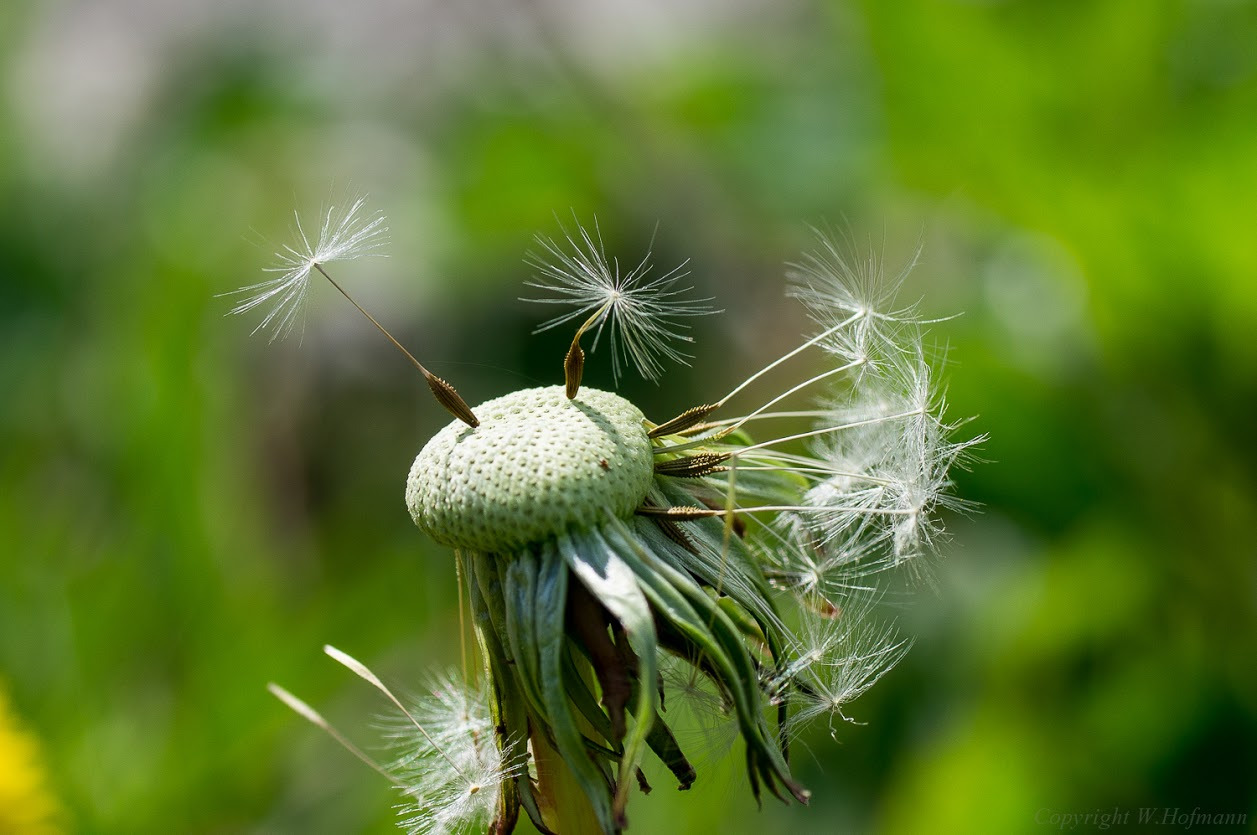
[[188, 513]]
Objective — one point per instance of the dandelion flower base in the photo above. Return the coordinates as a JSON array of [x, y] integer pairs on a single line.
[[538, 465]]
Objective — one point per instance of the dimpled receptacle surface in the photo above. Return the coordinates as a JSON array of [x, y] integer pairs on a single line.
[[537, 465]]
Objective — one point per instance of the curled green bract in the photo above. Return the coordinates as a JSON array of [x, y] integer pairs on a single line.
[[538, 465]]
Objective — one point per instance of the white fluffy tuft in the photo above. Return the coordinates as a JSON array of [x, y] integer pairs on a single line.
[[643, 312], [346, 232]]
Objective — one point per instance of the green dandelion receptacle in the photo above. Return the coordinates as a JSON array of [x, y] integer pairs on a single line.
[[611, 563], [537, 465]]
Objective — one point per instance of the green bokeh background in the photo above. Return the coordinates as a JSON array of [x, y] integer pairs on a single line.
[[187, 512]]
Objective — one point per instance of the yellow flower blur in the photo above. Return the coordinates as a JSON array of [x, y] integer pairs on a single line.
[[27, 807]]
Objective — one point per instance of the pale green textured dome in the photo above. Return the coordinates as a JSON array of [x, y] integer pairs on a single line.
[[537, 465]]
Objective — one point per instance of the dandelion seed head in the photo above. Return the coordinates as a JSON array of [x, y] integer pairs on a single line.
[[531, 469], [605, 551], [644, 314], [451, 776], [346, 231]]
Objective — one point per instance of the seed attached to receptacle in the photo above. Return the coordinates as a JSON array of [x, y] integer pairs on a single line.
[[686, 420], [693, 466]]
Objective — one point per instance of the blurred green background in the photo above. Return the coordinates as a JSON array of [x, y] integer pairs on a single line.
[[187, 512]]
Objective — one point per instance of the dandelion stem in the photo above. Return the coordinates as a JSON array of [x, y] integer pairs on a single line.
[[441, 390], [816, 471], [688, 514], [795, 508]]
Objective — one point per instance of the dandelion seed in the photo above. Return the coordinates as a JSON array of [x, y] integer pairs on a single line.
[[834, 282], [643, 312], [702, 719], [450, 768], [901, 451], [818, 569], [450, 712], [838, 659], [458, 728], [345, 233]]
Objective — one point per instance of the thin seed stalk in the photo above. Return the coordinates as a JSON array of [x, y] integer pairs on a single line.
[[444, 393]]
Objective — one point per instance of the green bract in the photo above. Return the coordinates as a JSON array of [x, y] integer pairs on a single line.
[[537, 466]]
